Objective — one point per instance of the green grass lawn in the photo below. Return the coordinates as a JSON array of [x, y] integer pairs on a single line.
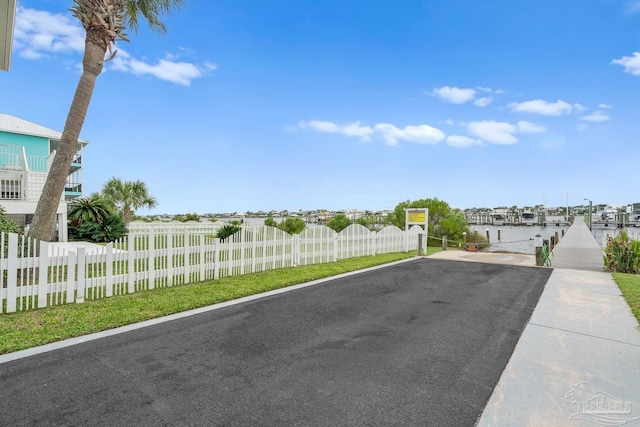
[[629, 284], [22, 330]]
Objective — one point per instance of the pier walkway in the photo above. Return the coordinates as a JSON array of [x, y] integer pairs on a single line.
[[577, 362], [578, 249]]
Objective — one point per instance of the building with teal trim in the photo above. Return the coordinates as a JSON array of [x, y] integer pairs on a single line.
[[26, 152]]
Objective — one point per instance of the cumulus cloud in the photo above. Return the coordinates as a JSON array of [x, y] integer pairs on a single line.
[[580, 107], [351, 129], [423, 134], [528, 127], [391, 134], [605, 106], [631, 64], [501, 133], [167, 69], [596, 116], [541, 107], [454, 95], [462, 141], [40, 34], [483, 102]]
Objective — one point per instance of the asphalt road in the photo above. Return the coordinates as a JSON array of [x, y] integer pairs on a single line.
[[416, 344]]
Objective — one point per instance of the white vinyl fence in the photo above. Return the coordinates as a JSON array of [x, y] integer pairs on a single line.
[[32, 277]]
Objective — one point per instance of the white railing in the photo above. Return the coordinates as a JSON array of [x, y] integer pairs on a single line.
[[165, 257]]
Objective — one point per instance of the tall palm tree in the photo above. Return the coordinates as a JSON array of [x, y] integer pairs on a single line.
[[128, 196], [104, 22]]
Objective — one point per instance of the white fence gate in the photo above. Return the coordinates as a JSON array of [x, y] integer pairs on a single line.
[[35, 277]]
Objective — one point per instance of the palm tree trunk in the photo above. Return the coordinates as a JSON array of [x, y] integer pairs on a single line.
[[42, 227], [126, 215]]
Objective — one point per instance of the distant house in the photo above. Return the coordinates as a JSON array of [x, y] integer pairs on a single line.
[[26, 153]]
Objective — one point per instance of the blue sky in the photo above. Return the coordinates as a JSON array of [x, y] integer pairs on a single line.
[[339, 104]]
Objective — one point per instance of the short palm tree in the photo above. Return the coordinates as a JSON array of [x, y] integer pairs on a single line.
[[86, 209], [128, 196], [104, 22]]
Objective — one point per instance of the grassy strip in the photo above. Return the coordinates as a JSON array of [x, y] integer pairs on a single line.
[[629, 284], [19, 331]]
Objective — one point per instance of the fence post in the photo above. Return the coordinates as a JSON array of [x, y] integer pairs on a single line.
[[169, 257], [444, 243], [420, 244], [109, 269], [12, 273], [151, 235], [43, 274], [71, 277], [216, 258], [254, 245], [243, 248], [335, 248], [538, 243], [202, 258], [131, 254], [81, 275], [186, 272], [295, 249]]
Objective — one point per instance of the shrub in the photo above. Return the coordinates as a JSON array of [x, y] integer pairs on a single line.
[[227, 230], [112, 228], [7, 225], [622, 254], [475, 237], [339, 223]]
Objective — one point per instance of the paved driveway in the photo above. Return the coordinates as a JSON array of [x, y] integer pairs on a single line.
[[419, 343]]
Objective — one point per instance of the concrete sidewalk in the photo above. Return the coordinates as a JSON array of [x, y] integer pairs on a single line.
[[577, 362]]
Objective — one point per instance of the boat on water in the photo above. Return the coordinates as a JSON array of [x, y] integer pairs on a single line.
[[529, 217]]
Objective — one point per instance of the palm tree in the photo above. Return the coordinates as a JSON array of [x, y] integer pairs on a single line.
[[92, 209], [104, 22], [128, 196]]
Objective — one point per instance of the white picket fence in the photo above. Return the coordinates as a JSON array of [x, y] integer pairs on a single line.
[[32, 277]]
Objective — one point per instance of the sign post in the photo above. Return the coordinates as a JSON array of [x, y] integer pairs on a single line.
[[416, 216]]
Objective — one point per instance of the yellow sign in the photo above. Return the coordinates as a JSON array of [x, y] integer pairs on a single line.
[[417, 216]]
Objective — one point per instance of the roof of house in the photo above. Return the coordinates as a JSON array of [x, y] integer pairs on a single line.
[[7, 17], [15, 125]]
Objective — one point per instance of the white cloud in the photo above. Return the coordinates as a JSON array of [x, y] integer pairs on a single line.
[[605, 106], [484, 89], [501, 133], [528, 127], [38, 33], [462, 141], [581, 127], [454, 95], [450, 122], [596, 116], [423, 134], [483, 102], [352, 129], [631, 64], [391, 134], [41, 34], [541, 107], [580, 107], [320, 126], [167, 69]]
